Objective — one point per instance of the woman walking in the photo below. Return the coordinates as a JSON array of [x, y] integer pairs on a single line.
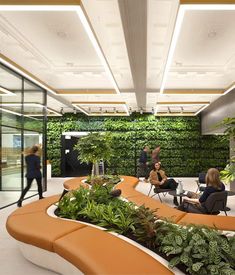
[[33, 172]]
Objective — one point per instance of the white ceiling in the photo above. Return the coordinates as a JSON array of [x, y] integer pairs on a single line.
[[135, 37]]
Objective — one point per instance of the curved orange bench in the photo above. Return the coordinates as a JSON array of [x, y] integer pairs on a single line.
[[90, 250]]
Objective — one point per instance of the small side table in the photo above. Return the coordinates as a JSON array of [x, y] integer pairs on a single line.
[[173, 193]]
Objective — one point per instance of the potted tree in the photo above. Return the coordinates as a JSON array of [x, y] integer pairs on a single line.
[[94, 148], [228, 174]]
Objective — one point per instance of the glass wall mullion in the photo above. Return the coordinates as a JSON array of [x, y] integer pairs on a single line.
[[22, 134]]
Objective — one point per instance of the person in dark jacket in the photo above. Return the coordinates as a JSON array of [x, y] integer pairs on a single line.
[[33, 172], [143, 170], [213, 184]]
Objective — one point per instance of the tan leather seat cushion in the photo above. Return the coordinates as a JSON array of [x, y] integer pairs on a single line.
[[97, 252], [39, 229], [74, 184], [219, 222], [128, 180], [163, 210], [36, 206]]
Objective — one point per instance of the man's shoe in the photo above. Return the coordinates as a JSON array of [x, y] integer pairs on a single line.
[[175, 201], [19, 203], [41, 198]]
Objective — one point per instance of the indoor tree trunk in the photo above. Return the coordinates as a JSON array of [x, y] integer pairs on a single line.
[[95, 169]]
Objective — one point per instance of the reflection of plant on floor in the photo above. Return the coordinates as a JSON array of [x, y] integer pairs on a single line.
[[193, 249]]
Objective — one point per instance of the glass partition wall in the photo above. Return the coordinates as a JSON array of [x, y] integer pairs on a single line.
[[23, 124]]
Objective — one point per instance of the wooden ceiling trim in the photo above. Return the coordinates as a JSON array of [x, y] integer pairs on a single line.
[[194, 92], [85, 92], [206, 2], [40, 2], [99, 102], [183, 102]]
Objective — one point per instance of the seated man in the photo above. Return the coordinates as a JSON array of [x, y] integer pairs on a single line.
[[158, 178], [213, 184]]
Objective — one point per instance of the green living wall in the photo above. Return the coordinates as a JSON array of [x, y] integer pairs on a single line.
[[184, 151]]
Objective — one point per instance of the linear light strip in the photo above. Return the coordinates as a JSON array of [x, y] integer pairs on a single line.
[[182, 104], [178, 24], [6, 92], [81, 109], [96, 46], [201, 109], [229, 89], [11, 112], [24, 104], [38, 7]]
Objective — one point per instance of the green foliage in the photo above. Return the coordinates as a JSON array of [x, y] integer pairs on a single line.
[[228, 174], [200, 249], [94, 147], [184, 151], [103, 179]]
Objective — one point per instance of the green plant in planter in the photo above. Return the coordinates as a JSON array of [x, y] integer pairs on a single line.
[[93, 148], [199, 250], [202, 250]]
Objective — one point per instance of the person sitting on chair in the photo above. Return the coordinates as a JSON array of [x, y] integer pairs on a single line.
[[158, 178], [213, 184]]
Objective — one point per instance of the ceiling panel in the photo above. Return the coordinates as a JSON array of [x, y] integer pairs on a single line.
[[204, 56]]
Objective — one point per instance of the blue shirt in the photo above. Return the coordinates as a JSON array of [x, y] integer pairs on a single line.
[[209, 190]]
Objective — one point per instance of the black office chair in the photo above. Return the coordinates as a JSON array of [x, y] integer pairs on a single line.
[[216, 202], [201, 182], [158, 191]]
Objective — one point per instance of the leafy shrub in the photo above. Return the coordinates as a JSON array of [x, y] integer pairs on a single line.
[[200, 250]]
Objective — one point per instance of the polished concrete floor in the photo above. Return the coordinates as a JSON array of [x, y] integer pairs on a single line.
[[11, 260]]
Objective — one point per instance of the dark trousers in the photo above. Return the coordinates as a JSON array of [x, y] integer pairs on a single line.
[[169, 184], [143, 170], [29, 183], [192, 208]]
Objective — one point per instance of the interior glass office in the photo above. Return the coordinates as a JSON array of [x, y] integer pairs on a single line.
[[23, 124]]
